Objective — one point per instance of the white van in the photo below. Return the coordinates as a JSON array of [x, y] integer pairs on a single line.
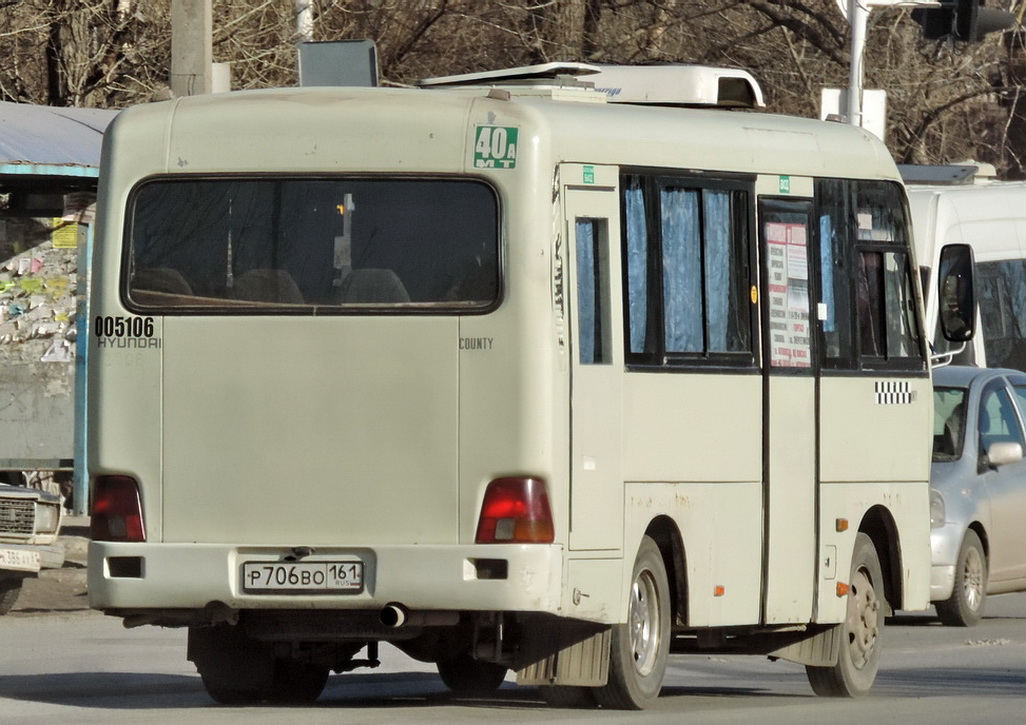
[[962, 204]]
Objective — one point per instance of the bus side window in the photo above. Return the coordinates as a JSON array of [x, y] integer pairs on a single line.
[[593, 290], [688, 265], [869, 303], [862, 228]]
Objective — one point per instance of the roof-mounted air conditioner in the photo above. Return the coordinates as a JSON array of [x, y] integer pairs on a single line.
[[663, 85]]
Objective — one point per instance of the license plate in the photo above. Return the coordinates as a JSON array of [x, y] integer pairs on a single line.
[[303, 576], [19, 559]]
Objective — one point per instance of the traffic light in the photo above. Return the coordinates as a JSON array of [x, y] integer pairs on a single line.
[[962, 20]]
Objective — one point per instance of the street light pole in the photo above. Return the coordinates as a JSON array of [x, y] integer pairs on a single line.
[[857, 14], [304, 21], [191, 47], [858, 21]]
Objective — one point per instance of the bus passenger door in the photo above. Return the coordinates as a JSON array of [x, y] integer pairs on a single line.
[[790, 413], [591, 208]]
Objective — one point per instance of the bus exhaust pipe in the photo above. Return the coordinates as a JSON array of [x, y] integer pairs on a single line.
[[395, 615]]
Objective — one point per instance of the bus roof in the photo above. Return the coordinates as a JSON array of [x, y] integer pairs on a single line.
[[326, 129]]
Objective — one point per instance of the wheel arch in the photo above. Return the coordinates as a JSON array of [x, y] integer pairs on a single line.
[[878, 523], [666, 534], [981, 532]]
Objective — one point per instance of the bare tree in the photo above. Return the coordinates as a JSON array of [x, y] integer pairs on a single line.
[[947, 101]]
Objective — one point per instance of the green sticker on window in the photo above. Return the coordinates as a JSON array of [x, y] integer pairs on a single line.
[[495, 147], [589, 174], [785, 184]]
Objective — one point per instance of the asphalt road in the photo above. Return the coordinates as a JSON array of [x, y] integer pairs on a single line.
[[82, 667]]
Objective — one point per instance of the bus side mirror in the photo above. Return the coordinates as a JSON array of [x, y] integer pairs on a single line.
[[956, 293]]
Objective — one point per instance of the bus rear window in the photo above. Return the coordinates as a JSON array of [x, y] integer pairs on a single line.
[[312, 245]]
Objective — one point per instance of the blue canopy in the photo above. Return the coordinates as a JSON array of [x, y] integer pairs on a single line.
[[46, 136]]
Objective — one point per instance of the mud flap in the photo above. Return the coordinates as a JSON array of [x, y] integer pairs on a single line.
[[581, 660], [819, 647]]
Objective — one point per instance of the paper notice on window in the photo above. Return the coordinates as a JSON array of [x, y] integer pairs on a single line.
[[787, 256]]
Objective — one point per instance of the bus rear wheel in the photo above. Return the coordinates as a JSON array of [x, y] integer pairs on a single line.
[[569, 697], [639, 647], [293, 683], [466, 676], [237, 670], [859, 658]]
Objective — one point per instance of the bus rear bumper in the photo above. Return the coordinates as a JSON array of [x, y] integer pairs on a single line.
[[136, 577]]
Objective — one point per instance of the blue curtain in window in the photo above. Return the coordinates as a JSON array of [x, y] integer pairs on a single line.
[[586, 289], [637, 266], [826, 270], [718, 264], [682, 270]]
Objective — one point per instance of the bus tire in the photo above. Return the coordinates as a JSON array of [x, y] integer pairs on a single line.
[[859, 658], [237, 670], [639, 648], [964, 608], [569, 697], [465, 675], [294, 683]]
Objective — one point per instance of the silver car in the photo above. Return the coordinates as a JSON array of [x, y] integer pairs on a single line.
[[978, 489]]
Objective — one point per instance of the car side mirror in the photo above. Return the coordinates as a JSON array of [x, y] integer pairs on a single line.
[[956, 293], [1002, 453]]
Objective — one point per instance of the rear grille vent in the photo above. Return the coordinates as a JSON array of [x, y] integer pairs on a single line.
[[17, 517]]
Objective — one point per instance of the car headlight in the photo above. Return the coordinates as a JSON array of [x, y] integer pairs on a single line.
[[48, 518], [937, 514]]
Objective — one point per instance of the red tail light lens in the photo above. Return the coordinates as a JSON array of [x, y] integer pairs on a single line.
[[117, 510], [515, 511]]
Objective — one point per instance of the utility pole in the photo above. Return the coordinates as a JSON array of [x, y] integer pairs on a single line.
[[858, 21], [191, 47], [964, 20], [304, 21]]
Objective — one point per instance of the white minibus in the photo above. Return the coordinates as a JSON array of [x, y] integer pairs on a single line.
[[517, 372]]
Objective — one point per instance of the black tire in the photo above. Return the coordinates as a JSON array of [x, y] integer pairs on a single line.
[[468, 676], [296, 683], [9, 591], [293, 683], [569, 697], [640, 647], [859, 659], [964, 608], [238, 670], [227, 695]]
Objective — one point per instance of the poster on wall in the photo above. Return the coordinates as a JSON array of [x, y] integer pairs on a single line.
[[787, 256]]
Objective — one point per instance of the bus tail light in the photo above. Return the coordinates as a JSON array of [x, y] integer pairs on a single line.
[[117, 510], [515, 511]]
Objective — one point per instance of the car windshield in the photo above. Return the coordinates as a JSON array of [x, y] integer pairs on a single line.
[[948, 423]]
